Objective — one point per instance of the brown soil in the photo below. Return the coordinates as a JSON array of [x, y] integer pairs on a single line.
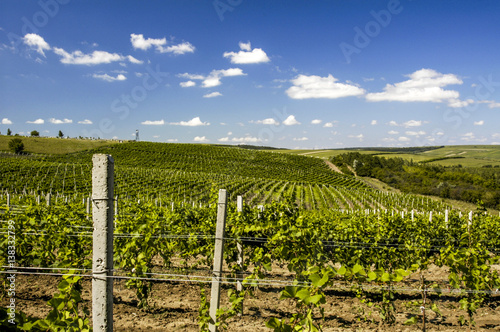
[[333, 167], [174, 307]]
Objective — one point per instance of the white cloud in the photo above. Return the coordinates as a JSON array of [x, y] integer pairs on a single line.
[[491, 103], [108, 78], [393, 123], [412, 123], [404, 139], [138, 42], [95, 58], [37, 121], [172, 140], [247, 55], [291, 121], [200, 139], [300, 139], [313, 86], [388, 139], [58, 121], [6, 121], [316, 121], [471, 137], [134, 60], [183, 48], [393, 132], [191, 76], [268, 121], [457, 103], [212, 95], [153, 123], [415, 133], [373, 123], [36, 42], [187, 84], [246, 139], [479, 123], [245, 46], [213, 79], [360, 137], [328, 125], [194, 122], [85, 122], [424, 85]]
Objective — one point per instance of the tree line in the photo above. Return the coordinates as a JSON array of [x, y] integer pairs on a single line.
[[470, 184]]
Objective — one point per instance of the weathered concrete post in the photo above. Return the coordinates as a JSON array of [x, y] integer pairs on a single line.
[[102, 260], [239, 248], [218, 257]]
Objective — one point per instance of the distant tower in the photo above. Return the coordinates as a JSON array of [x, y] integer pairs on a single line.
[[137, 135]]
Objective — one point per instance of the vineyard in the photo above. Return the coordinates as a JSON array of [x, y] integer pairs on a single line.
[[311, 239]]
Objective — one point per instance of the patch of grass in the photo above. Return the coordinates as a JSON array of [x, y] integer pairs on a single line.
[[52, 145], [453, 155]]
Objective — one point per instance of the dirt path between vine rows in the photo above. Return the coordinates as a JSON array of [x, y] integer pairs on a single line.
[[333, 167]]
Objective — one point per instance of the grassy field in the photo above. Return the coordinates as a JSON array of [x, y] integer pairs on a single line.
[[465, 155], [52, 145]]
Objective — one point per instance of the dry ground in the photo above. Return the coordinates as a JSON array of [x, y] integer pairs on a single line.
[[174, 307]]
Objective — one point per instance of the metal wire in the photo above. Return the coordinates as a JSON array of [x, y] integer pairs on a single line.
[[261, 282]]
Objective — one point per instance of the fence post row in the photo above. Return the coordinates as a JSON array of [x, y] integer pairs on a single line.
[[102, 260], [218, 258]]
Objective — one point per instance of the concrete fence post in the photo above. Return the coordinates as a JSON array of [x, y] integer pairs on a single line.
[[218, 258], [102, 260], [239, 248]]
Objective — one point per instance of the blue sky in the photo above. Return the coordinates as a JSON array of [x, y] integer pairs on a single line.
[[295, 74]]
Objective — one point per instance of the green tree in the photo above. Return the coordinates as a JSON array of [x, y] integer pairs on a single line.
[[35, 133], [16, 145], [60, 135], [9, 132]]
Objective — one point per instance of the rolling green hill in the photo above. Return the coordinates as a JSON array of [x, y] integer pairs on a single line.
[[452, 155], [189, 171], [52, 145]]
